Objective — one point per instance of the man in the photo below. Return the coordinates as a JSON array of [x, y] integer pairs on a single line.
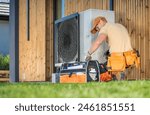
[[122, 54]]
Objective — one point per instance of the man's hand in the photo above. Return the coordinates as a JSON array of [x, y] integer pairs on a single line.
[[88, 57], [95, 45]]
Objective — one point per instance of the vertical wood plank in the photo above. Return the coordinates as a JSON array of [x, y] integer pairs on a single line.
[[32, 52], [146, 42], [49, 38], [149, 36], [22, 29], [72, 6]]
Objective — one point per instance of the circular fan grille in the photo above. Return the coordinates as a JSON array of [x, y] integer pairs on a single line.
[[68, 41]]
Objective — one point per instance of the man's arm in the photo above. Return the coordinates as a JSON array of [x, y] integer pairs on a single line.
[[96, 43]]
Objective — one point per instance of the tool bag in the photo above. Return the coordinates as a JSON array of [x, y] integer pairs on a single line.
[[120, 61], [132, 58], [104, 74], [73, 78], [116, 62], [73, 73], [93, 72], [79, 72]]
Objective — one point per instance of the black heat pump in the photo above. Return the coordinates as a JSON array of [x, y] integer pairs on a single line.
[[67, 39]]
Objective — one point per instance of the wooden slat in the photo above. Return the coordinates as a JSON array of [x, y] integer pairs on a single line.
[[146, 42], [72, 6], [116, 9], [98, 4], [52, 43], [149, 29], [144, 38], [4, 79], [48, 29], [136, 38], [149, 37], [130, 26], [41, 39], [22, 40], [138, 32], [4, 72], [104, 7], [133, 36], [49, 39], [66, 7], [92, 4], [141, 39], [32, 43], [79, 5]]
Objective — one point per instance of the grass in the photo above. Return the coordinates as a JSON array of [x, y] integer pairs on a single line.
[[121, 89]]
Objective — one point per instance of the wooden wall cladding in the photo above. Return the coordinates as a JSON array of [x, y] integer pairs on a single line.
[[32, 53], [49, 39], [36, 55], [135, 15], [73, 6]]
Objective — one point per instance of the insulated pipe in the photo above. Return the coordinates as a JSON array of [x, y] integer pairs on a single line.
[[111, 3]]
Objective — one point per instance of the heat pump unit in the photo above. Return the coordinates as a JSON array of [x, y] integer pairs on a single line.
[[67, 39], [73, 38]]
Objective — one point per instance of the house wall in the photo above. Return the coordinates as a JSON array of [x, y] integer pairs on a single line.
[[4, 37], [135, 16], [36, 55], [32, 53], [73, 6]]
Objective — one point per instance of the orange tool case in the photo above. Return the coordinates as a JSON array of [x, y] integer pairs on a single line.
[[79, 72]]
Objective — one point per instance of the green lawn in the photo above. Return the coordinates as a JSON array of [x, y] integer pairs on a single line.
[[134, 89]]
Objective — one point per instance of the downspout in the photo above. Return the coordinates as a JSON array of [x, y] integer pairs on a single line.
[[14, 41], [62, 8], [111, 3]]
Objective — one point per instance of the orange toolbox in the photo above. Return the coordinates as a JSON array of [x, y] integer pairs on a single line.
[[79, 72]]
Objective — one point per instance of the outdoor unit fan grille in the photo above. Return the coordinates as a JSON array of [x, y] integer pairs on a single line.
[[67, 39]]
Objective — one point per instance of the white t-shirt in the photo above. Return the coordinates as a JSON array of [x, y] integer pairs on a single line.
[[118, 37]]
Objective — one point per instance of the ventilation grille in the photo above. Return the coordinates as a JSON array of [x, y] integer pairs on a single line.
[[67, 39]]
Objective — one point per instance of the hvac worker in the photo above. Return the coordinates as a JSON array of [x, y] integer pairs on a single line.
[[122, 54]]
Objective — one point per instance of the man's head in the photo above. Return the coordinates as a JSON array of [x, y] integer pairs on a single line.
[[98, 23]]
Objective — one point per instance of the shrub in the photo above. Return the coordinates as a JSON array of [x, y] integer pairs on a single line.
[[4, 62]]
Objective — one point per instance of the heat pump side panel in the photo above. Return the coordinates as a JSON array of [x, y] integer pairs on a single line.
[[86, 38]]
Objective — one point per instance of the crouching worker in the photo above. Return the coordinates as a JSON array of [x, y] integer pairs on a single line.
[[122, 54]]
